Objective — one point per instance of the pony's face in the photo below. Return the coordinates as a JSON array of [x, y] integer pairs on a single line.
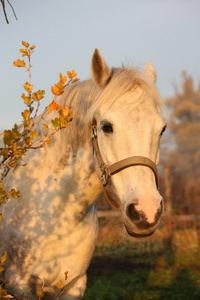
[[132, 126]]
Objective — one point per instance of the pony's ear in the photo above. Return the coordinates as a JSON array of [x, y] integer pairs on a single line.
[[99, 69], [150, 72]]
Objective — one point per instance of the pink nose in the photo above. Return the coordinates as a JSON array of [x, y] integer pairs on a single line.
[[139, 218]]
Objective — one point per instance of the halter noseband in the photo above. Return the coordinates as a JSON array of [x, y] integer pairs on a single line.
[[108, 171]]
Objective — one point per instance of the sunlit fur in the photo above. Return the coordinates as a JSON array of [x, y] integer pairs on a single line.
[[53, 227]]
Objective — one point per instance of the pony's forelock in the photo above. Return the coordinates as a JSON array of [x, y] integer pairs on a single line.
[[123, 80]]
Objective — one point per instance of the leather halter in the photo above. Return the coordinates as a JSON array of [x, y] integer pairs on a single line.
[[108, 171]]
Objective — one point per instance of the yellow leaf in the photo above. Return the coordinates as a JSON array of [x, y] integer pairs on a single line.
[[13, 193], [3, 292], [25, 44], [1, 218], [48, 141], [53, 106], [4, 258], [55, 90], [60, 284], [25, 114], [28, 87], [10, 193], [24, 51], [1, 269], [75, 80], [40, 293], [63, 79], [32, 47], [37, 96], [66, 275], [71, 74], [45, 126], [34, 134], [65, 111], [27, 100], [19, 63]]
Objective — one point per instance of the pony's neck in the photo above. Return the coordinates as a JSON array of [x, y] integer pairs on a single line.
[[70, 157], [73, 170]]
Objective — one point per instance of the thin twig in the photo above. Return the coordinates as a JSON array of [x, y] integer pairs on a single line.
[[29, 68], [61, 292], [4, 10], [36, 112], [43, 113], [12, 9]]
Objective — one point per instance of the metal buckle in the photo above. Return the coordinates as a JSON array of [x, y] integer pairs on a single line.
[[104, 176], [94, 131]]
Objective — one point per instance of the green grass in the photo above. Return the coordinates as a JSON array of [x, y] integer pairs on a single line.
[[157, 275]]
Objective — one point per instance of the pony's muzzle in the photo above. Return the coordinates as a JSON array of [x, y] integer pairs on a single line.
[[136, 221]]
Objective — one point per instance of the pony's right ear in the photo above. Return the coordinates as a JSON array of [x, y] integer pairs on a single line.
[[99, 69], [150, 72]]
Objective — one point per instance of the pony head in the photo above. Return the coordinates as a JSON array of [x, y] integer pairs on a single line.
[[129, 123]]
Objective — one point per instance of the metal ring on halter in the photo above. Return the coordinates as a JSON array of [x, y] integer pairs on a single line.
[[105, 176], [94, 132]]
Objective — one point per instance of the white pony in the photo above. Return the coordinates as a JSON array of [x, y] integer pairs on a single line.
[[52, 228]]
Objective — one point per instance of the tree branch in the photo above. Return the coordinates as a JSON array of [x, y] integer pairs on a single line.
[[12, 9], [4, 10]]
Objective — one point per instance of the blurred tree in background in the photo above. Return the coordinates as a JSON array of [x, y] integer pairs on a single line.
[[184, 157]]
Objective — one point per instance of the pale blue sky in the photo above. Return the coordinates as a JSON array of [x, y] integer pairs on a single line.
[[66, 32]]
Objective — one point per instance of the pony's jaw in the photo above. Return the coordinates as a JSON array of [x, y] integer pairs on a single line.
[[138, 235]]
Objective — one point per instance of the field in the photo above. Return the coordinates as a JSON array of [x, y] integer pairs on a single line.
[[123, 269]]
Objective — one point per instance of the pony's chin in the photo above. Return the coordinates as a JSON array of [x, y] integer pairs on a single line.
[[138, 235]]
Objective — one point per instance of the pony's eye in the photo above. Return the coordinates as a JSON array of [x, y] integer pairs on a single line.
[[163, 130], [107, 128]]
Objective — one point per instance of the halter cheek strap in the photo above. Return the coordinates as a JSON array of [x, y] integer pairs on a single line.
[[108, 171]]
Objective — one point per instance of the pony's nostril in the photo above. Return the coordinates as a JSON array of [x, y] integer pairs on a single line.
[[132, 212], [161, 206]]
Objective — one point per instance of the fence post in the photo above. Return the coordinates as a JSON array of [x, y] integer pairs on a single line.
[[168, 209], [168, 191]]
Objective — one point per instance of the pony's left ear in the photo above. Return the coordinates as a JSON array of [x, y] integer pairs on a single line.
[[150, 72], [99, 69]]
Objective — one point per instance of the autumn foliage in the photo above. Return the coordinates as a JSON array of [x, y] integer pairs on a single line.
[[23, 137]]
